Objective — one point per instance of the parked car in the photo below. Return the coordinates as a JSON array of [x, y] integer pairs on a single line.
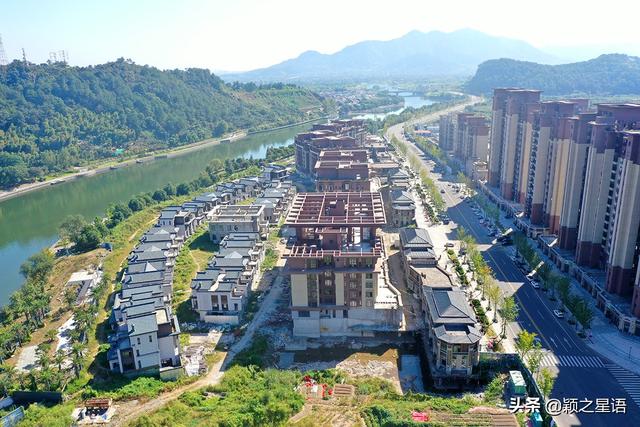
[[448, 245], [442, 191], [558, 314], [534, 284]]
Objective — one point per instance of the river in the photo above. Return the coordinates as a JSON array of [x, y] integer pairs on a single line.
[[410, 100], [30, 222]]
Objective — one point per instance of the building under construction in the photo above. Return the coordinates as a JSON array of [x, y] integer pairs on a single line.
[[338, 283]]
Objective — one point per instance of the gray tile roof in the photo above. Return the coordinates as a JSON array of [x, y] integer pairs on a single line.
[[458, 334], [417, 238], [448, 306]]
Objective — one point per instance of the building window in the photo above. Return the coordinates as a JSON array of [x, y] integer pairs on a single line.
[[138, 340], [369, 303], [353, 285], [137, 353], [304, 314], [369, 285], [369, 275], [353, 262], [150, 338], [353, 303], [369, 294], [345, 314]]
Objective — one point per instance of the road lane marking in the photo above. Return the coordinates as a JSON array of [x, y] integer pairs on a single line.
[[629, 381]]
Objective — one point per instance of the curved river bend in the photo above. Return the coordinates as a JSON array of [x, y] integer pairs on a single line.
[[30, 222]]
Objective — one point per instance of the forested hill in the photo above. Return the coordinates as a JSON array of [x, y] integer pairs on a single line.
[[612, 74], [54, 117]]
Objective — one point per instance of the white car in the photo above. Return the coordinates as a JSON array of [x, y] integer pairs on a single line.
[[558, 314], [534, 284]]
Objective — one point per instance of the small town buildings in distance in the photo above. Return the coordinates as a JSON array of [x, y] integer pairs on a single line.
[[338, 284]]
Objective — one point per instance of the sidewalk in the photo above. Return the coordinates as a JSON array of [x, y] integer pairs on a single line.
[[607, 340]]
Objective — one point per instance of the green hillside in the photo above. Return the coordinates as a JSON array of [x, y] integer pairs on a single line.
[[53, 116], [613, 74]]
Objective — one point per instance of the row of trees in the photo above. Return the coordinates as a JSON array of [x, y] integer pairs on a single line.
[[557, 284], [435, 198], [505, 306]]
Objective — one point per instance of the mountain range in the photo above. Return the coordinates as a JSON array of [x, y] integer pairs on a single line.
[[612, 74], [414, 55]]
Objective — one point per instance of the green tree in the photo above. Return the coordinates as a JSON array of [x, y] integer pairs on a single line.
[[509, 313], [494, 295], [51, 335], [524, 343], [71, 227], [546, 382], [534, 358], [183, 189], [38, 266]]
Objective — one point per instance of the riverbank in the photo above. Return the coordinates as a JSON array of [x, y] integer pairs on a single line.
[[110, 165]]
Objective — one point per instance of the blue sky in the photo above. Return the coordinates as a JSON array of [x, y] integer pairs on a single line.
[[246, 34]]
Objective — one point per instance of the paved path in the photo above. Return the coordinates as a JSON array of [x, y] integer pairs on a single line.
[[215, 374]]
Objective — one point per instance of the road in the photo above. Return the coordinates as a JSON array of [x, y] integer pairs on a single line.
[[581, 373]]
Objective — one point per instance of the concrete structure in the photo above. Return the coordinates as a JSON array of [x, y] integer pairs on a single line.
[[335, 135], [511, 134], [338, 286], [237, 219], [446, 132], [576, 169], [472, 140], [342, 170], [146, 336], [548, 157]]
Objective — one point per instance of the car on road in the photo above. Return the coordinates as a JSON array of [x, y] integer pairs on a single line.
[[448, 245], [442, 191], [558, 314], [534, 284]]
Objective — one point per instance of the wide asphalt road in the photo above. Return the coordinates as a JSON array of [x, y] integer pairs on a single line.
[[581, 373]]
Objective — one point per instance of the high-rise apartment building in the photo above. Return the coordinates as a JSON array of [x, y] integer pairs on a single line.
[[548, 157], [512, 120]]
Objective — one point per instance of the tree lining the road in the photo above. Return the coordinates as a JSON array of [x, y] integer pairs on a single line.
[[555, 282]]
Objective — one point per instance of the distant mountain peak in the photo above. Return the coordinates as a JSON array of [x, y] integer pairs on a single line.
[[416, 54]]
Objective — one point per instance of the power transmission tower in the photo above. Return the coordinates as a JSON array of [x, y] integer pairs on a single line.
[[3, 54], [24, 56]]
